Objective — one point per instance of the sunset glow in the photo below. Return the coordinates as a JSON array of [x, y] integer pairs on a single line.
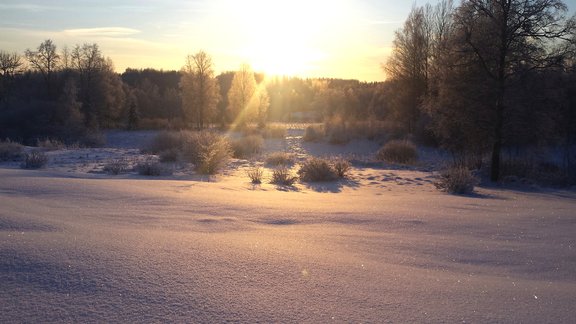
[[285, 39], [340, 38]]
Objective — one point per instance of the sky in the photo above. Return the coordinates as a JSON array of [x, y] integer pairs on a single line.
[[308, 38]]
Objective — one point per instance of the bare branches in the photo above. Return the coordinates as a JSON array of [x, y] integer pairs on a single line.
[[10, 63], [45, 60], [200, 91]]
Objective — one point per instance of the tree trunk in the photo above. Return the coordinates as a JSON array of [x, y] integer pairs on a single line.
[[497, 145]]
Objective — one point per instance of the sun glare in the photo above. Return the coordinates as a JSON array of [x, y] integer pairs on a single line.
[[283, 37]]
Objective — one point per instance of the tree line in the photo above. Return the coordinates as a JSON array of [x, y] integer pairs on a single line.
[[69, 93]]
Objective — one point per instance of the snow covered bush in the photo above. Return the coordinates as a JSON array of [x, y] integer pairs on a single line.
[[397, 151], [247, 146], [209, 151], [457, 180], [10, 150], [115, 167], [34, 160]]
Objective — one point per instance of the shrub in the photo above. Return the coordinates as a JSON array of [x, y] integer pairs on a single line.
[[255, 174], [274, 132], [34, 160], [93, 139], [116, 166], [170, 155], [247, 146], [283, 176], [214, 157], [336, 132], [368, 129], [51, 144], [10, 151], [153, 123], [396, 151], [313, 133], [316, 169], [341, 167], [457, 180], [529, 170], [165, 141], [207, 150], [150, 168], [279, 158]]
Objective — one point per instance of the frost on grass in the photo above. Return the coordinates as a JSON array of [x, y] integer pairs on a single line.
[[34, 160], [397, 151], [319, 169], [283, 176], [255, 174], [10, 151], [457, 180]]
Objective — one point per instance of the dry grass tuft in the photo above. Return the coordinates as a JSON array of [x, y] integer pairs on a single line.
[[255, 174], [279, 158], [283, 176]]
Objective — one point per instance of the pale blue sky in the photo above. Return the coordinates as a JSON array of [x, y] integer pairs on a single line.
[[318, 38]]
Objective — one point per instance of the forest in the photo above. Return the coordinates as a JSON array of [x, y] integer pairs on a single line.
[[477, 79]]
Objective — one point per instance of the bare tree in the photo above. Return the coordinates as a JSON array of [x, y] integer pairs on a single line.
[[416, 45], [100, 88], [66, 58], [10, 64], [45, 60], [200, 90], [241, 94]]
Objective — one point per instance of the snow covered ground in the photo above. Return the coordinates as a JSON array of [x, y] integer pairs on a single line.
[[78, 245]]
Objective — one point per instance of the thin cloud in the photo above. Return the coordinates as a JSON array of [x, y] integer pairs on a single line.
[[101, 32], [24, 7]]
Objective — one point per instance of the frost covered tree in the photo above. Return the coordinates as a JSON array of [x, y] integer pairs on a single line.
[[200, 89], [415, 47], [494, 44], [240, 96]]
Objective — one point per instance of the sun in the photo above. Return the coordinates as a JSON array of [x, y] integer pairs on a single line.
[[283, 37], [282, 59]]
